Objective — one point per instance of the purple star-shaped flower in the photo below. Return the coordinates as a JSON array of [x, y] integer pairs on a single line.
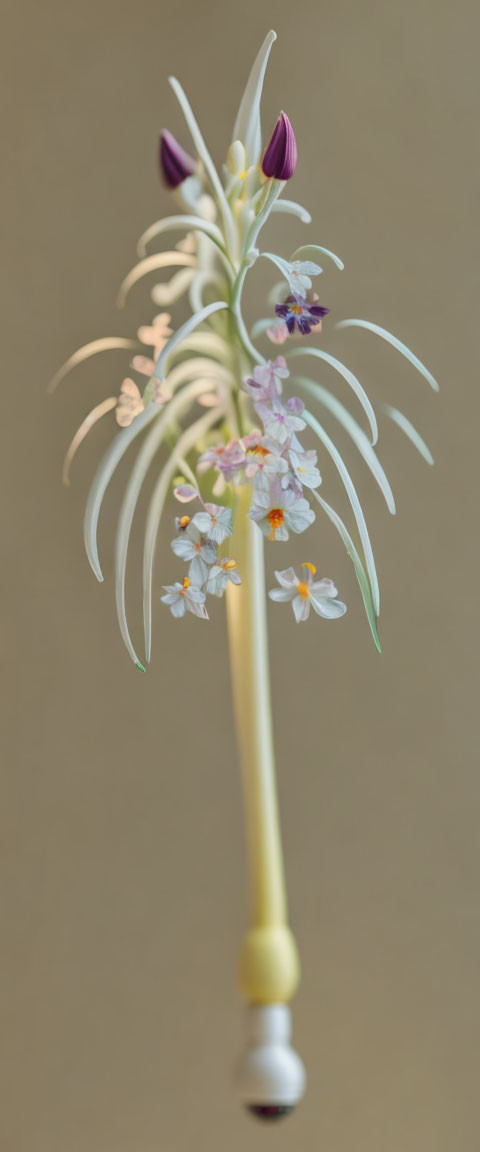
[[299, 314]]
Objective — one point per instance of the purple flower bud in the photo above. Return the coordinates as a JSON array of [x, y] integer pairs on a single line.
[[175, 163], [280, 156]]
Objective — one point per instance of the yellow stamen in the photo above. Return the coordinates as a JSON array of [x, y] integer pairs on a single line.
[[303, 590], [227, 565], [186, 584], [242, 174], [184, 521], [311, 567], [296, 309]]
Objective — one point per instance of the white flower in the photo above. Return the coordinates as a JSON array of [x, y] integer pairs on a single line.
[[192, 546], [264, 459], [186, 597], [221, 574], [280, 423], [303, 593], [276, 510], [298, 276], [304, 465], [215, 522]]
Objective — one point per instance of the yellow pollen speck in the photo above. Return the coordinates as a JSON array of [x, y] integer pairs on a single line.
[[296, 309], [184, 520], [311, 567], [186, 584], [228, 564], [303, 590], [242, 174]]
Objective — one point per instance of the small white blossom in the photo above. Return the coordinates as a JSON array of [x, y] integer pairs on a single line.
[[280, 423], [215, 522], [302, 593], [298, 276], [221, 574], [186, 597], [194, 548], [304, 465], [277, 510]]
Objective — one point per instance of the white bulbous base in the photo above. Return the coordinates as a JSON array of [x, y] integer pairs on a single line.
[[269, 1076]]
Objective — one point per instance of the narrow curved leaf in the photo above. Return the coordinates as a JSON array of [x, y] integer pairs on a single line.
[[348, 376], [357, 563], [361, 441], [185, 330], [396, 343], [308, 251], [104, 344], [104, 474], [247, 124], [91, 419], [292, 209], [197, 137], [410, 431], [152, 264], [354, 501]]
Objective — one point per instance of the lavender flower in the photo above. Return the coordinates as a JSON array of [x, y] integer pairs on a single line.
[[280, 156], [299, 314], [175, 163]]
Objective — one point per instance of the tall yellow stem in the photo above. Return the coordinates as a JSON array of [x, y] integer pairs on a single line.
[[269, 968]]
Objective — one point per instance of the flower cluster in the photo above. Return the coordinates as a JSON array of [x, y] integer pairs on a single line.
[[206, 396], [197, 542]]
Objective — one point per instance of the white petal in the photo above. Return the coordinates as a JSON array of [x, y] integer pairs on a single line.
[[183, 548], [301, 608], [198, 571], [282, 595], [178, 608], [287, 578], [324, 587], [329, 609]]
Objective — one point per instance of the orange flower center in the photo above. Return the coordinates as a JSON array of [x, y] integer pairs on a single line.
[[276, 517], [184, 521], [296, 309], [259, 450], [303, 590]]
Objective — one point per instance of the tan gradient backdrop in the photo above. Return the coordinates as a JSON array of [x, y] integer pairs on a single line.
[[122, 876]]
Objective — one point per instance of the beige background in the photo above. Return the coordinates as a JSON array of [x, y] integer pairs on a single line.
[[122, 874]]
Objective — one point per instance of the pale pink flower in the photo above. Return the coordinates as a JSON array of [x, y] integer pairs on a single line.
[[129, 403]]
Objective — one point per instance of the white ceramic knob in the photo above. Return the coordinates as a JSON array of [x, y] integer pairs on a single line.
[[269, 1076]]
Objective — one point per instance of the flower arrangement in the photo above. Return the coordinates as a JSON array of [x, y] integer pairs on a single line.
[[241, 462]]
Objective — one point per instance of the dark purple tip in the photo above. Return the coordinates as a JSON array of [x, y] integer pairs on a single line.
[[175, 163], [270, 1111], [280, 156]]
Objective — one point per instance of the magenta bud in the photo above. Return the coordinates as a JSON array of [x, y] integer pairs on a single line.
[[175, 163], [280, 156]]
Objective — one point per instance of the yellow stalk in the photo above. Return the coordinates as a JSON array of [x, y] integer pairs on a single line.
[[269, 969]]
